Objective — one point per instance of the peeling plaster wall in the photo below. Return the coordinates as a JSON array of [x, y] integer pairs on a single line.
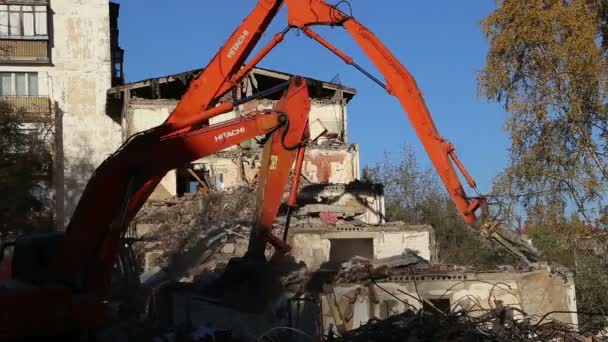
[[330, 113], [332, 165], [536, 293], [322, 164], [143, 115], [313, 248], [76, 83]]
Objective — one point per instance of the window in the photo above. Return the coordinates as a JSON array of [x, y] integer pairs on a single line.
[[18, 84], [23, 21]]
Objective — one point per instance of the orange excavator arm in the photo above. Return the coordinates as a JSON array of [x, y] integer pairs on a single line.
[[225, 69], [398, 82], [76, 279]]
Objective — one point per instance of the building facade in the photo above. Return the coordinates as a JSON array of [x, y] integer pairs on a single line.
[[330, 159], [57, 60]]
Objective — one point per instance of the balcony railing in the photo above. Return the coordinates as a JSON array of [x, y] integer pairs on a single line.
[[32, 108], [24, 51], [25, 2]]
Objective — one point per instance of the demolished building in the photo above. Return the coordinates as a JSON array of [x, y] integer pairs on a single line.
[[349, 265], [330, 159], [194, 238]]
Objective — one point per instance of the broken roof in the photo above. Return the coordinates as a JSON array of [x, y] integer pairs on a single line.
[[173, 86]]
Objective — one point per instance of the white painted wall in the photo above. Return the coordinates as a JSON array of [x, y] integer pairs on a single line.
[[394, 243], [314, 248]]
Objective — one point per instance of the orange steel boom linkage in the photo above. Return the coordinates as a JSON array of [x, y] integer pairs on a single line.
[[225, 70], [303, 15]]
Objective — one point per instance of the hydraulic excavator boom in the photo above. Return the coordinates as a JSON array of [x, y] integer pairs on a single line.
[[72, 298]]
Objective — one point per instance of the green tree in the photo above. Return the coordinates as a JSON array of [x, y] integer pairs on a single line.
[[547, 65], [25, 164], [571, 242], [414, 195]]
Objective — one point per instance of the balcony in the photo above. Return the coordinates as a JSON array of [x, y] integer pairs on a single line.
[[25, 2], [33, 108], [24, 51]]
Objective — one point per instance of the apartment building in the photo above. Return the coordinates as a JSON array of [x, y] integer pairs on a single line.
[[57, 60]]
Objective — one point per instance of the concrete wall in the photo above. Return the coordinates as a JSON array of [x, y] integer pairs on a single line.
[[331, 114], [314, 248], [80, 79], [77, 82], [536, 293], [145, 114]]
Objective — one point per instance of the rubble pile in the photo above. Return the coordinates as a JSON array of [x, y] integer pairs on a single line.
[[360, 269], [190, 246], [492, 325], [197, 232]]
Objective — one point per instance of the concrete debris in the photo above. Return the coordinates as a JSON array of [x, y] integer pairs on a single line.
[[460, 326], [342, 273], [358, 269], [339, 211], [186, 236]]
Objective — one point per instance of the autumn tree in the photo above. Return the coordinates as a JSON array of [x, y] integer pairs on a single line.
[[25, 161], [414, 195], [547, 65]]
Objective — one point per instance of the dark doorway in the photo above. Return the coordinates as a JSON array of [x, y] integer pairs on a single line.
[[342, 250], [442, 304]]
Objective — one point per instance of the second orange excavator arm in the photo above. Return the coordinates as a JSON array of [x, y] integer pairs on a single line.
[[398, 82]]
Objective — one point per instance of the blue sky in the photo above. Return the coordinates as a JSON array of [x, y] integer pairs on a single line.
[[438, 41]]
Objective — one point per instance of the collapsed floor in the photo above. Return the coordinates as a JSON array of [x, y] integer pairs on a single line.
[[188, 250]]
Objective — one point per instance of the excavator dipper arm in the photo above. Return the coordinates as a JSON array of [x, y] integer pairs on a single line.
[[398, 82]]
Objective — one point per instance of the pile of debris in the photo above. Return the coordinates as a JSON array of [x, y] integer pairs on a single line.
[[427, 322], [190, 247], [493, 325], [195, 233]]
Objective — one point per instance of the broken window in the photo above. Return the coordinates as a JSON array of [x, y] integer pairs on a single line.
[[23, 21], [342, 250], [19, 84]]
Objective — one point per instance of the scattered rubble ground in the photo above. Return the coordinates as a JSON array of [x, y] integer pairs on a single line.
[[193, 244]]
